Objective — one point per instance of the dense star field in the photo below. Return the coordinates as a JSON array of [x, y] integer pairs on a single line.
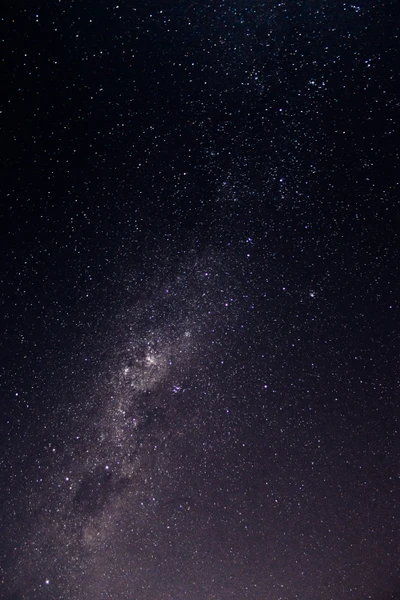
[[199, 359]]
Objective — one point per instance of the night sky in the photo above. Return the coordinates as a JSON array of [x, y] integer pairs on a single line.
[[200, 266]]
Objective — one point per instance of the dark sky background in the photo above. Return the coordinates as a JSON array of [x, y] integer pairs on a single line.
[[199, 358]]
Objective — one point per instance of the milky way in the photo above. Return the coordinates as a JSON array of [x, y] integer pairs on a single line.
[[119, 477]]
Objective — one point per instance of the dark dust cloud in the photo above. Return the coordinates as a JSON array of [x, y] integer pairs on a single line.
[[199, 360]]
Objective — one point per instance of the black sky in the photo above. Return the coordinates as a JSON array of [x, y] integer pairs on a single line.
[[199, 246]]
